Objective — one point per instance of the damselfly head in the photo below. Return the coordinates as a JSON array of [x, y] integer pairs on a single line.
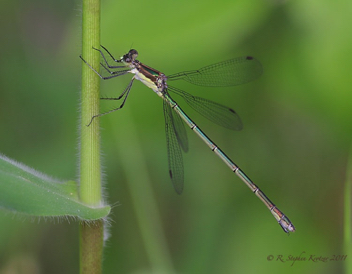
[[130, 56]]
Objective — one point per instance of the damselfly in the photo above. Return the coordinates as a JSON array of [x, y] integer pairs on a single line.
[[227, 73]]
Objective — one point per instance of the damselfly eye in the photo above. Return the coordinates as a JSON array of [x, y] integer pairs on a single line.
[[133, 54], [130, 56]]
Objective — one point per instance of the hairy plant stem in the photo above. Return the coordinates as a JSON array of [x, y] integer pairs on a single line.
[[92, 233]]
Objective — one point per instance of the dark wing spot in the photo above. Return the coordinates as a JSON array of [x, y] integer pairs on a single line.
[[170, 173], [249, 58]]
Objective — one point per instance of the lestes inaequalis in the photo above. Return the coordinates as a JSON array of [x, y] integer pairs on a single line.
[[227, 73]]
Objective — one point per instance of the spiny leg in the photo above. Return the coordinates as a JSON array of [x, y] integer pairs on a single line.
[[126, 91], [112, 57], [106, 62], [115, 74]]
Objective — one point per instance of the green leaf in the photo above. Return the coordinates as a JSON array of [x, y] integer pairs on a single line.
[[25, 190]]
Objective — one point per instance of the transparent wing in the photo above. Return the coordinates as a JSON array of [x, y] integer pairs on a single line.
[[232, 72], [217, 113], [180, 131], [174, 152]]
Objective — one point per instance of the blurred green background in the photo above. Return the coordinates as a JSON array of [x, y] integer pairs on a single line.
[[294, 145]]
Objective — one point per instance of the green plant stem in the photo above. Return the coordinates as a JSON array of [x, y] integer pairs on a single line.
[[91, 234], [91, 247], [347, 215]]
